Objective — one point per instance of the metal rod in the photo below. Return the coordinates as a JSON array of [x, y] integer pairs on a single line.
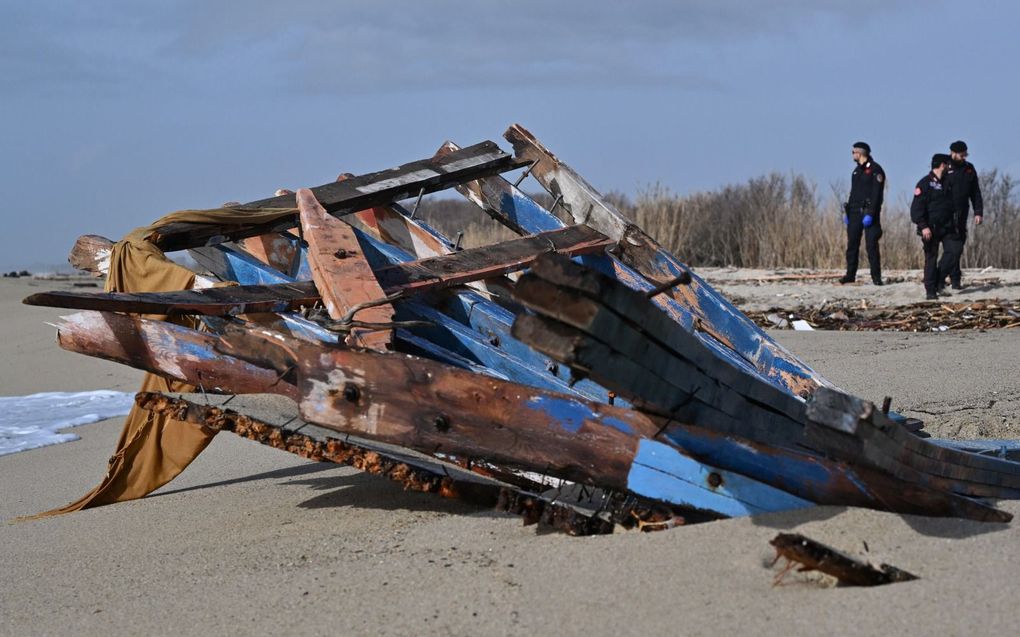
[[527, 171], [417, 201]]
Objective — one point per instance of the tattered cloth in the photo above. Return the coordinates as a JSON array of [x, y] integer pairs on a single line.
[[153, 449]]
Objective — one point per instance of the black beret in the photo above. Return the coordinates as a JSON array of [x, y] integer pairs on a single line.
[[863, 146], [958, 146], [938, 159]]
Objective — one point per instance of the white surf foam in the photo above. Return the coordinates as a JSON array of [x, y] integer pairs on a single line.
[[29, 422]]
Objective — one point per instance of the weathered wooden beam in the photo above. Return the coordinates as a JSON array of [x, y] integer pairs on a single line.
[[168, 350], [489, 261], [411, 472], [351, 195], [341, 273]]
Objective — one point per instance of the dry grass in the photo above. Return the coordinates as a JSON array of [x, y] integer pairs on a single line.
[[773, 221]]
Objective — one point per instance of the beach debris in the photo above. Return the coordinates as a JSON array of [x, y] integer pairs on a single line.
[[578, 375], [811, 555], [801, 325], [918, 317]]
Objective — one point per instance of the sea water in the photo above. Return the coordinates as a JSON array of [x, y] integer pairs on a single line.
[[29, 422]]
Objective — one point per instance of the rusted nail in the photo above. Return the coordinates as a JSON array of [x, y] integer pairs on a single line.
[[351, 392], [341, 254], [714, 480], [441, 423], [685, 277], [456, 243], [555, 203], [886, 404]]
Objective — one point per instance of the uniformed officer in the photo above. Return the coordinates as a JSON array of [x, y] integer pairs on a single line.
[[966, 191], [862, 213], [934, 212]]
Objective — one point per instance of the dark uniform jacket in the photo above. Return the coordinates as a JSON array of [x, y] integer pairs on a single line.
[[933, 206], [966, 190], [867, 186]]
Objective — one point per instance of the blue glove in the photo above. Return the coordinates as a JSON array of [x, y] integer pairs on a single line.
[[846, 220], [868, 220]]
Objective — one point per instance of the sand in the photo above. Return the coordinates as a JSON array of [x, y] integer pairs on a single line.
[[251, 540]]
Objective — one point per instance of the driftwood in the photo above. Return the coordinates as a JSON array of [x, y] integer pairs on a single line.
[[815, 556]]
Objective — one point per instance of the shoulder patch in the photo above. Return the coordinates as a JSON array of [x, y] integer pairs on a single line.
[[880, 177], [917, 191]]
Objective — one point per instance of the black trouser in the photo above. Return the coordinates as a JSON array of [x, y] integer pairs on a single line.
[[955, 275], [854, 229], [936, 269]]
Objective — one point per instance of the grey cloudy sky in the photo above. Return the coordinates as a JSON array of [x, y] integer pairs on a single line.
[[115, 112]]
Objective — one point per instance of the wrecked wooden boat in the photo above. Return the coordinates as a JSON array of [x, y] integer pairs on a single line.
[[582, 355]]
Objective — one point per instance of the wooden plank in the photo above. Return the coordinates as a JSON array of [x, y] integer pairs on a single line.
[[341, 273], [490, 261], [351, 195], [640, 251], [222, 301]]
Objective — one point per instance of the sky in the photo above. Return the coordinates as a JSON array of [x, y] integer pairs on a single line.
[[113, 113]]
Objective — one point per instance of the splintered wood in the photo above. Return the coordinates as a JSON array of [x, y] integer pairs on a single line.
[[918, 317], [815, 556]]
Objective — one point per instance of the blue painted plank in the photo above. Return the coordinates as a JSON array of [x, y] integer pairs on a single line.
[[662, 470]]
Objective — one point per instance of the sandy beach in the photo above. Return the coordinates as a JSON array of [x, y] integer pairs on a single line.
[[252, 540]]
